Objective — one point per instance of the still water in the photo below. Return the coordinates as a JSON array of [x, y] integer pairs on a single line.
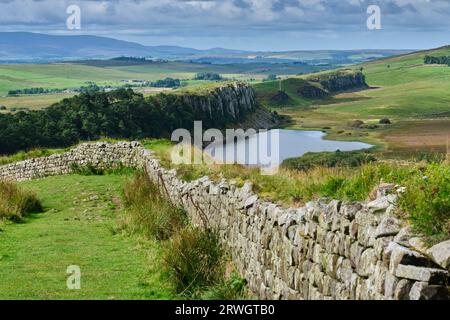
[[272, 147]]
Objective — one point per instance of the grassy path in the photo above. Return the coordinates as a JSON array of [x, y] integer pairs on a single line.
[[77, 228]]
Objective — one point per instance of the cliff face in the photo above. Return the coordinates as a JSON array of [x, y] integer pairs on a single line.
[[341, 81], [232, 103]]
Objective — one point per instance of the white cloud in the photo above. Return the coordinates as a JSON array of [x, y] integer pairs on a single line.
[[224, 18]]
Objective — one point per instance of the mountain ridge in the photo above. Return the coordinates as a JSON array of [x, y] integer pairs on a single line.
[[38, 47]]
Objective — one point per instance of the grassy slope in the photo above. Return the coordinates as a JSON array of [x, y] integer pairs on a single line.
[[407, 88], [266, 90], [415, 96], [76, 229]]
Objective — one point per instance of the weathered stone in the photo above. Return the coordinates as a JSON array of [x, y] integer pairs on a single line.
[[366, 218], [345, 225], [417, 243], [380, 245], [382, 190], [365, 235], [330, 263], [403, 236], [246, 189], [379, 278], [355, 253], [397, 254], [430, 275], [388, 226], [402, 289], [325, 221], [390, 285], [344, 271], [381, 204], [353, 229], [349, 210], [424, 291], [441, 254], [366, 264], [321, 236], [250, 201]]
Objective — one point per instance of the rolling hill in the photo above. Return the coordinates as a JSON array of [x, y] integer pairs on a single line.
[[413, 95], [33, 47], [28, 47]]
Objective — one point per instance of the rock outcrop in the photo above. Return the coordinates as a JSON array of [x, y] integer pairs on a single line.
[[327, 249], [340, 81], [234, 104], [231, 101]]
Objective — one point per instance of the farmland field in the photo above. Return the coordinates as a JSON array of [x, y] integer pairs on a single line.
[[69, 75]]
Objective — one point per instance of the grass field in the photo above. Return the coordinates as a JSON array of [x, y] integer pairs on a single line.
[[35, 101], [77, 228], [74, 75]]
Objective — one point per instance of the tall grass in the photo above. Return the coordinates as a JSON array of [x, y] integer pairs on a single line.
[[148, 211], [426, 202], [230, 288], [16, 202], [194, 258]]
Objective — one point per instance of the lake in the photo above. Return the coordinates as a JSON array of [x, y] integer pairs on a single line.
[[269, 149]]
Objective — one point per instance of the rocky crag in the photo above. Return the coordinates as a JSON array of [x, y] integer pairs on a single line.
[[340, 81], [235, 102], [327, 249], [315, 87]]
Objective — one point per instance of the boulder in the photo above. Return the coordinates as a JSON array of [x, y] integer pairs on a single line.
[[430, 275], [441, 254], [388, 226], [382, 204], [424, 291]]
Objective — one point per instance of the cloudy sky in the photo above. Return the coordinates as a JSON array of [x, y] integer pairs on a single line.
[[242, 24]]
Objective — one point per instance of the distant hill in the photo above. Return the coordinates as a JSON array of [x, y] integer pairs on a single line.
[[37, 47], [24, 46]]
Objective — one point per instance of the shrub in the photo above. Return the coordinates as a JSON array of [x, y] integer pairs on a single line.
[[92, 170], [357, 123], [148, 211], [385, 121], [16, 202], [194, 260]]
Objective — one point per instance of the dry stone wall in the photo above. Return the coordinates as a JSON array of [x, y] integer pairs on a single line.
[[327, 249], [98, 154]]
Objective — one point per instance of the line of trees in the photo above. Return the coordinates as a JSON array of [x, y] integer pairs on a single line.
[[166, 83], [33, 91], [118, 114], [208, 76], [437, 60], [89, 87]]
